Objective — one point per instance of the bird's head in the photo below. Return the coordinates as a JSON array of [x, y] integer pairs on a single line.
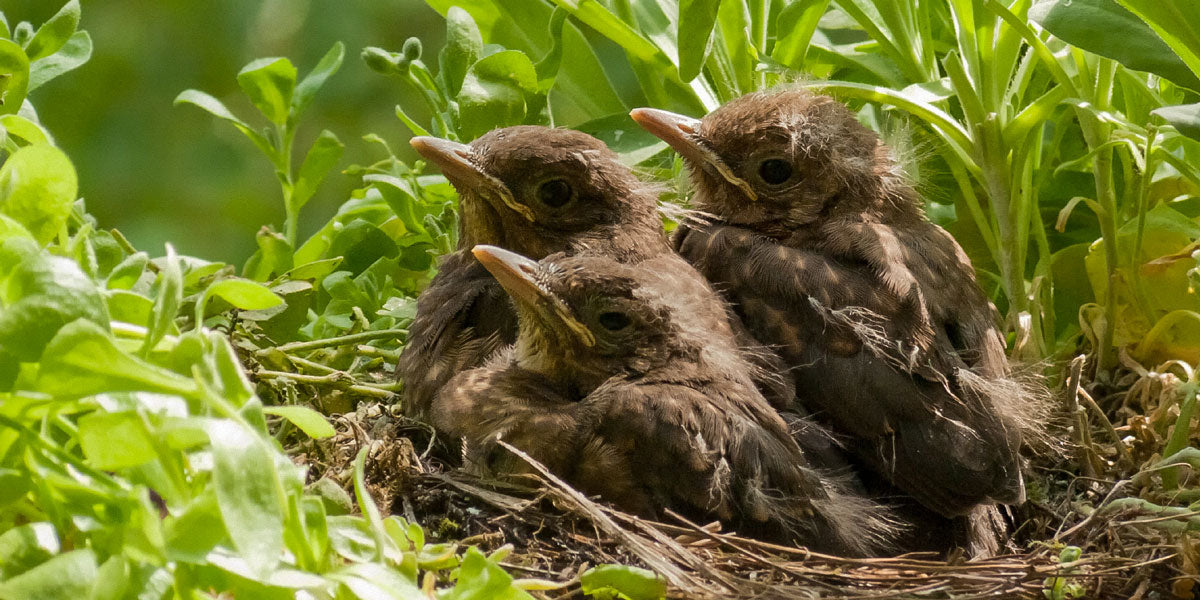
[[784, 158], [540, 190], [585, 318]]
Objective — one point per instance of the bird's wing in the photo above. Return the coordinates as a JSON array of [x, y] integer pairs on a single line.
[[721, 450], [947, 447], [462, 318]]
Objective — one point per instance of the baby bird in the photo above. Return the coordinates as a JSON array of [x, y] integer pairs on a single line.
[[616, 387], [822, 247], [536, 191]]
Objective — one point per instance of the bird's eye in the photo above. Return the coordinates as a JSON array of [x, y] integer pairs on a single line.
[[613, 321], [775, 171], [554, 193]]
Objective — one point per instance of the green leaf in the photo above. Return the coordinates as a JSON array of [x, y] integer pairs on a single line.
[[242, 293], [402, 200], [1177, 22], [795, 26], [547, 68], [312, 83], [1089, 24], [55, 32], [127, 273], [28, 131], [26, 546], [311, 422], [464, 46], [83, 360], [274, 256], [624, 137], [41, 294], [37, 188], [607, 581], [112, 441], [249, 493], [68, 576], [76, 52], [494, 93], [216, 108], [696, 21], [166, 302], [324, 155], [269, 83], [482, 579], [1184, 117]]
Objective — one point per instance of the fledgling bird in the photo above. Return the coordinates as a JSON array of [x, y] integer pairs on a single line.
[[534, 190], [615, 386], [821, 245]]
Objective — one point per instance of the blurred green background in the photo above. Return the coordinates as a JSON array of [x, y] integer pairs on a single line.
[[164, 173]]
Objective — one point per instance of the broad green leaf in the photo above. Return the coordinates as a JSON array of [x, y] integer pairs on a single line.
[[74, 54], [312, 83], [249, 493], [269, 83], [68, 576], [128, 307], [126, 274], [311, 422], [13, 77], [1177, 22], [547, 68], [283, 322], [624, 137], [606, 581], [242, 293], [1176, 336], [169, 287], [480, 579], [696, 21], [494, 93], [37, 188], [26, 546], [213, 106], [28, 131], [113, 441], [1184, 117], [794, 30], [274, 256], [370, 580], [361, 244], [1089, 24], [42, 294], [324, 155], [464, 46], [55, 32], [400, 197], [83, 360]]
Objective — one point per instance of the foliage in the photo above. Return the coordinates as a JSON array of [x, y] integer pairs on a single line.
[[138, 456]]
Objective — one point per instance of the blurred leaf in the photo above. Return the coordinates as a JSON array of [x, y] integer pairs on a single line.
[[217, 109], [37, 188], [482, 579], [324, 155], [76, 52], [795, 26], [1176, 336], [129, 307], [494, 93], [31, 133], [624, 137], [166, 302], [274, 256], [696, 21], [316, 269], [464, 46], [1089, 24], [40, 295], [311, 422], [54, 32], [26, 546], [112, 441], [312, 83], [83, 360], [400, 197], [547, 68], [1177, 22], [249, 493], [127, 273], [67, 576], [269, 83], [1184, 117], [619, 581]]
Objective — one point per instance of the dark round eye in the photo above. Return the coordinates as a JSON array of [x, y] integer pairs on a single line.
[[775, 171], [613, 321], [554, 193]]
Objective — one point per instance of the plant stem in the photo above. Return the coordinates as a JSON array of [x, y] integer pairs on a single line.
[[344, 340]]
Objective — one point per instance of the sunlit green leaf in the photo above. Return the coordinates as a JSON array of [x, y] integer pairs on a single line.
[[248, 493], [67, 576], [76, 52], [114, 441], [37, 188], [308, 420], [494, 92], [1184, 117], [464, 46], [40, 295], [696, 21], [83, 360], [54, 32], [269, 83], [606, 581]]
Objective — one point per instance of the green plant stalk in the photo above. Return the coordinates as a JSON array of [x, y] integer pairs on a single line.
[[291, 218]]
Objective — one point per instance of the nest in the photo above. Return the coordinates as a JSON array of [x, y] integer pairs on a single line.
[[1071, 550]]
